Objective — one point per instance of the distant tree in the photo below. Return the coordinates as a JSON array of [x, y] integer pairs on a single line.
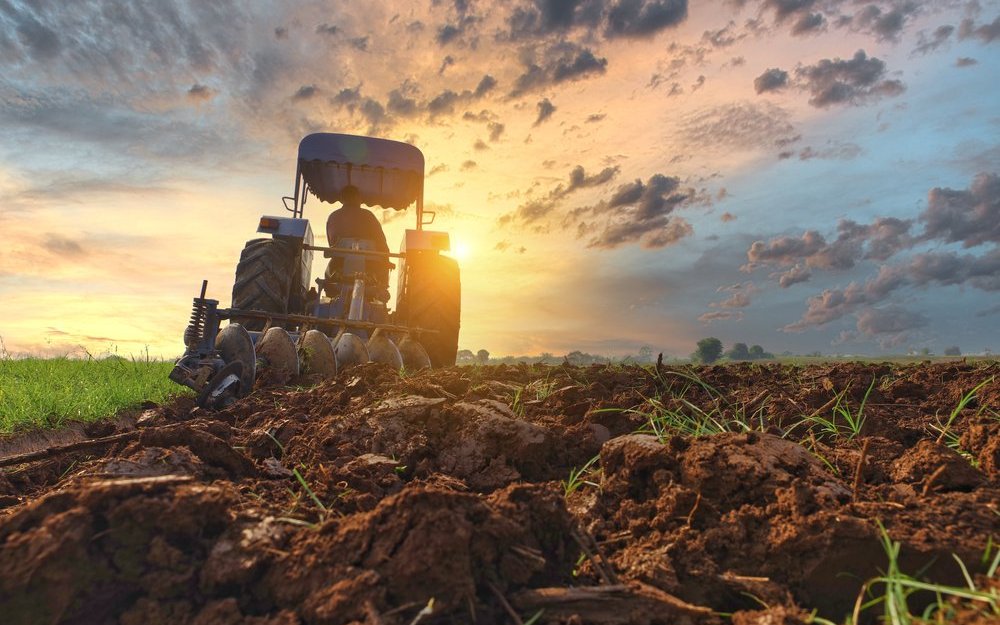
[[465, 356], [925, 351], [757, 353], [645, 354], [483, 356], [576, 357], [546, 358], [952, 351], [708, 350], [738, 352]]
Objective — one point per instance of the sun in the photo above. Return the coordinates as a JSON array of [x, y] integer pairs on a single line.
[[460, 250]]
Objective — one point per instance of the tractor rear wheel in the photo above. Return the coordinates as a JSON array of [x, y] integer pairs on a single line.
[[267, 279], [433, 301]]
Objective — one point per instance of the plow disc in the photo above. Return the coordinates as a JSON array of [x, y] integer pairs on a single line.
[[222, 364]]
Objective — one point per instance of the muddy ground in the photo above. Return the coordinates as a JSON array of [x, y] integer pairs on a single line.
[[447, 497]]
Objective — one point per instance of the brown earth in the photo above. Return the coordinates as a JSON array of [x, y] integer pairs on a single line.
[[441, 497]]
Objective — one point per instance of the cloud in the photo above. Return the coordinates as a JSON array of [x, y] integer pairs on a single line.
[[965, 61], [486, 84], [305, 92], [970, 216], [200, 92], [644, 18], [545, 111], [739, 295], [538, 208], [62, 246], [795, 275], [637, 212], [987, 33], [837, 151], [496, 130], [937, 39], [809, 23], [853, 81], [720, 315], [740, 125], [886, 25], [876, 241], [727, 217], [771, 80], [620, 18], [561, 62], [890, 326]]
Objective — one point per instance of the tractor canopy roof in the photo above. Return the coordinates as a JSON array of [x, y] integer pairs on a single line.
[[388, 173]]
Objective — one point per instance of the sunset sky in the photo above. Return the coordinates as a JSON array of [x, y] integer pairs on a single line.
[[803, 174]]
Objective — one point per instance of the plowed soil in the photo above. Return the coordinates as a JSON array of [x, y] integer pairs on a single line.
[[447, 497]]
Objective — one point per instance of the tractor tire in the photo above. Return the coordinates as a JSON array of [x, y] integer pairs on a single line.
[[433, 301], [267, 279]]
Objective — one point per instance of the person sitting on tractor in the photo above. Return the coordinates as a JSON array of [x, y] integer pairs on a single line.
[[350, 221]]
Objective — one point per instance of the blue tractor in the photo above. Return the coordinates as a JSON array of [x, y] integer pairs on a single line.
[[284, 323]]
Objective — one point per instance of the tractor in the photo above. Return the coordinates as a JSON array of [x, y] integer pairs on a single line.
[[282, 322]]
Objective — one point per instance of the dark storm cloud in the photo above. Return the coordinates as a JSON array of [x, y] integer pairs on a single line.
[[545, 111], [327, 29], [987, 33], [970, 216], [853, 81], [771, 80]]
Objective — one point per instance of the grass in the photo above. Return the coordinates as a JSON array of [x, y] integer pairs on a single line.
[[897, 588], [46, 393], [842, 422], [950, 437]]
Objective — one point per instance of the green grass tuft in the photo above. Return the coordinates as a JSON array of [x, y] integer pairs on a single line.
[[46, 393]]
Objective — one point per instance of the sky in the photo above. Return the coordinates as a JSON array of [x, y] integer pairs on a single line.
[[807, 175]]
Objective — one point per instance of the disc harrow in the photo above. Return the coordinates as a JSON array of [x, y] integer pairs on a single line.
[[222, 364]]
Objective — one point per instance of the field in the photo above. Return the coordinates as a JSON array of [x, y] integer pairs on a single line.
[[746, 493], [48, 392]]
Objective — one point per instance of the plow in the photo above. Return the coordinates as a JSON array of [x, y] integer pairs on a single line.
[[282, 324]]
